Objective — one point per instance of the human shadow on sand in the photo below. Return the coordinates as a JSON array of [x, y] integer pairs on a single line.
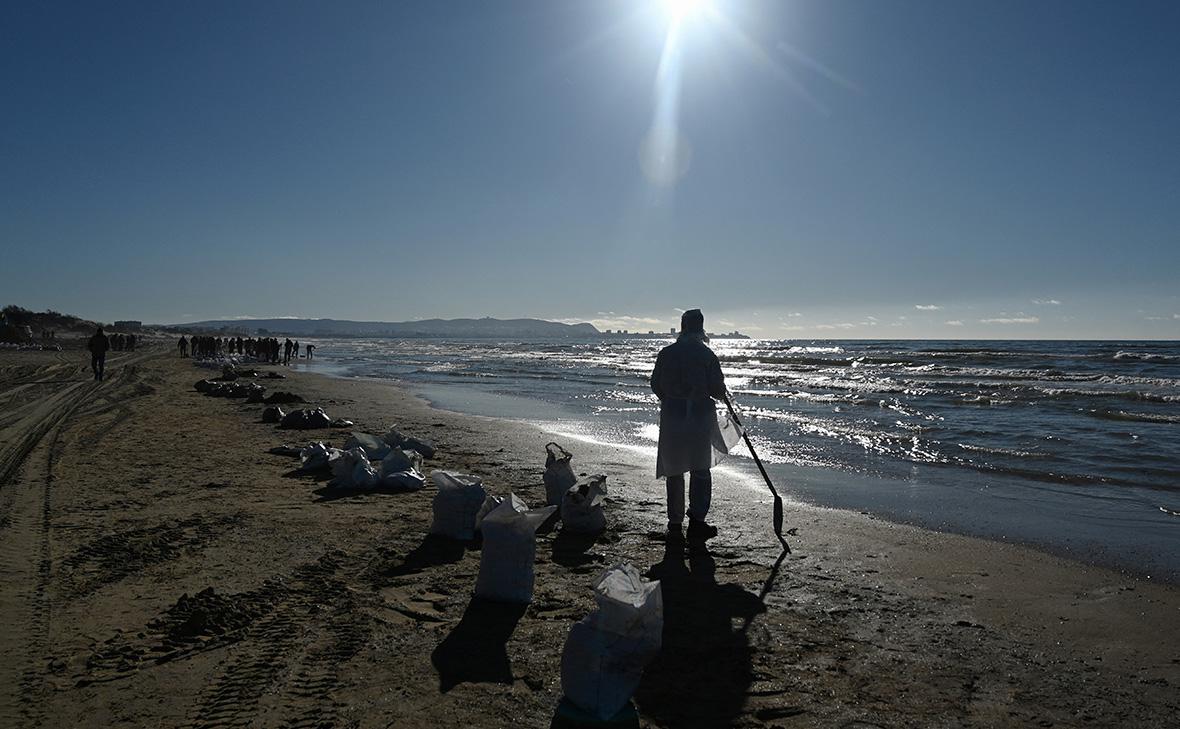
[[570, 549], [704, 670], [476, 650], [434, 551], [329, 492]]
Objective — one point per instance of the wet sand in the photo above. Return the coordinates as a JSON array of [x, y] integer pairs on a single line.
[[161, 568]]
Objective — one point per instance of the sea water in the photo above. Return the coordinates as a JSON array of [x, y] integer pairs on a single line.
[[1073, 446]]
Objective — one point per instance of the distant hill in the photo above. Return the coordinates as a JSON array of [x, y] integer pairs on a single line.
[[458, 328], [14, 319]]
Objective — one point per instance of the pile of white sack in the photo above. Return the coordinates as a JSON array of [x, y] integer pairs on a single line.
[[581, 500], [369, 462], [306, 419], [317, 455], [606, 652]]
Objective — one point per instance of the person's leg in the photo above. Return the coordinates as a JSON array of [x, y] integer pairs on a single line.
[[700, 494], [94, 366], [675, 485], [102, 360]]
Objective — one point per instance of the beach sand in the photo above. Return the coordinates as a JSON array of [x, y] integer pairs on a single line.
[[160, 568]]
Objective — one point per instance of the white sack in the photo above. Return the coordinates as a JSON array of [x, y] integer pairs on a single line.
[[605, 654], [582, 506], [509, 550], [559, 475], [399, 460], [456, 504], [365, 476], [318, 419], [375, 448], [409, 480], [492, 501], [397, 439], [343, 467], [317, 455]]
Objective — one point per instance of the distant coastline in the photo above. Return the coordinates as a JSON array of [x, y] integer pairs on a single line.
[[429, 328]]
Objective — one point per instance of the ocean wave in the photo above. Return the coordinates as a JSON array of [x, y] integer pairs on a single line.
[[1072, 392], [1136, 417], [997, 451], [1148, 357]]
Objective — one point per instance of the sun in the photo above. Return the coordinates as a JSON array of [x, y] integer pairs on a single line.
[[678, 10]]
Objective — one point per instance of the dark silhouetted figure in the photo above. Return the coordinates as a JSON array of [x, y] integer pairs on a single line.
[[686, 378], [310, 351], [98, 346], [182, 345]]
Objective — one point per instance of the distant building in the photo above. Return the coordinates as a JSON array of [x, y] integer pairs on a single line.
[[650, 331], [672, 331], [608, 331]]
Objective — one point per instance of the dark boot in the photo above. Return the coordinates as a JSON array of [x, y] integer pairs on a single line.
[[699, 531]]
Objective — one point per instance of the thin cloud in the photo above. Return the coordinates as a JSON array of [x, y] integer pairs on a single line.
[[609, 320], [954, 323], [1012, 320], [1046, 302], [927, 307], [795, 314]]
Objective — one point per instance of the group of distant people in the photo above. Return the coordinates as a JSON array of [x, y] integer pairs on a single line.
[[122, 342], [100, 343], [49, 334], [265, 349]]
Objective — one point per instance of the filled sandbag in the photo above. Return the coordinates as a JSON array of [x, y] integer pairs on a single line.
[[375, 448], [365, 475], [605, 654], [509, 550], [399, 460], [343, 467], [204, 386], [407, 480], [491, 502], [397, 439], [582, 506], [282, 398], [256, 393], [316, 456], [456, 504], [317, 419], [305, 419], [273, 414], [559, 474]]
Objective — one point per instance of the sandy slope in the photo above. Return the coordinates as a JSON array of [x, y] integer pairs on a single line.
[[160, 568]]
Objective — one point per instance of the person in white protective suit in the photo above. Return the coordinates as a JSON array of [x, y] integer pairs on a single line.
[[687, 377]]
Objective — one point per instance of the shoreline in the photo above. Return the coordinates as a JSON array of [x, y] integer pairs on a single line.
[[1141, 563], [332, 608]]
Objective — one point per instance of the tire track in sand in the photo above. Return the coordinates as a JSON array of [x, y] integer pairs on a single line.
[[28, 447], [25, 486]]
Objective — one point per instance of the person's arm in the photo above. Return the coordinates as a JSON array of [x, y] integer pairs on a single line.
[[656, 377], [716, 380]]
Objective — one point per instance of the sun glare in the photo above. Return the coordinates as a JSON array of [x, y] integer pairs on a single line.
[[678, 10]]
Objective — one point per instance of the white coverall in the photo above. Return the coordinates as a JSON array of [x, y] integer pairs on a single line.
[[686, 378]]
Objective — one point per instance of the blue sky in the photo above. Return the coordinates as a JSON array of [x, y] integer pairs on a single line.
[[842, 168]]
